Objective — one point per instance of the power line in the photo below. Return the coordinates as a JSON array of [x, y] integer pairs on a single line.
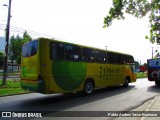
[[20, 31]]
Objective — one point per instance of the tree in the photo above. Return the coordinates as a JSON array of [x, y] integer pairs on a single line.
[[12, 48], [26, 37], [139, 9], [15, 46]]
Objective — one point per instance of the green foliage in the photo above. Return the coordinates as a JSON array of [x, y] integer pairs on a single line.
[[139, 9], [18, 60], [15, 46], [141, 75], [26, 37]]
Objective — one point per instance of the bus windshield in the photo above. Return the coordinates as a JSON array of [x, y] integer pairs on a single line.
[[30, 48]]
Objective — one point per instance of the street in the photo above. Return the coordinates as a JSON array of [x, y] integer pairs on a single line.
[[109, 99]]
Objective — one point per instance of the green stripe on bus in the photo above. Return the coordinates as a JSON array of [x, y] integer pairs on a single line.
[[69, 75]]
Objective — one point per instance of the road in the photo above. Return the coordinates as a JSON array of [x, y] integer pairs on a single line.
[[110, 99]]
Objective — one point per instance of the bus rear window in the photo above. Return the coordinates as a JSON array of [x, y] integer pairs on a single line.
[[30, 48]]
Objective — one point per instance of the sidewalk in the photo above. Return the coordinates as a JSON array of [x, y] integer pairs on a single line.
[[149, 106]]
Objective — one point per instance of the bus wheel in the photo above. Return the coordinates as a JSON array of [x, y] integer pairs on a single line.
[[88, 87], [126, 82], [157, 83]]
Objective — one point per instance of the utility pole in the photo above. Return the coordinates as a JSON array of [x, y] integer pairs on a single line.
[[152, 52], [6, 44], [106, 47]]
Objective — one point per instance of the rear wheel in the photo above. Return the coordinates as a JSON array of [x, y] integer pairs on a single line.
[[157, 83], [88, 87]]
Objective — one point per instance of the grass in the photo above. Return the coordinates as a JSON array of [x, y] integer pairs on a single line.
[[141, 75], [11, 88]]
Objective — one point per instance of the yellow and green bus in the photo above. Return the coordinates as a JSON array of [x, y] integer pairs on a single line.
[[52, 66]]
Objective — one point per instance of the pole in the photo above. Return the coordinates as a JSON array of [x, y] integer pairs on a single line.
[[152, 52], [6, 45]]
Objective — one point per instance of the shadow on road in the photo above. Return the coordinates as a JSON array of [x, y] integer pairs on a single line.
[[154, 88], [60, 102]]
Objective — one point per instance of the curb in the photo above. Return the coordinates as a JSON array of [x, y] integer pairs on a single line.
[[16, 94], [149, 106]]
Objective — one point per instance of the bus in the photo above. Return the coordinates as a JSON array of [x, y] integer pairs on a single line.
[[154, 70], [51, 66]]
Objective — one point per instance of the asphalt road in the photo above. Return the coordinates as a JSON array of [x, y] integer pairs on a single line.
[[109, 99]]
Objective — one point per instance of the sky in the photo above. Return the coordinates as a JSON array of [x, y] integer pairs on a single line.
[[81, 22]]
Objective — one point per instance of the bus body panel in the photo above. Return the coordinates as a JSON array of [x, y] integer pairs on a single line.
[[104, 75]]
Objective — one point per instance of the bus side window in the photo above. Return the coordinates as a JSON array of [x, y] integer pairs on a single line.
[[72, 52], [92, 55], [101, 56], [88, 55], [57, 51], [128, 59], [60, 51], [53, 51], [98, 56], [85, 56], [119, 59], [111, 57]]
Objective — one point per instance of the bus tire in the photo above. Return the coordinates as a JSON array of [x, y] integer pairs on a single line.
[[88, 87], [126, 82], [157, 83]]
